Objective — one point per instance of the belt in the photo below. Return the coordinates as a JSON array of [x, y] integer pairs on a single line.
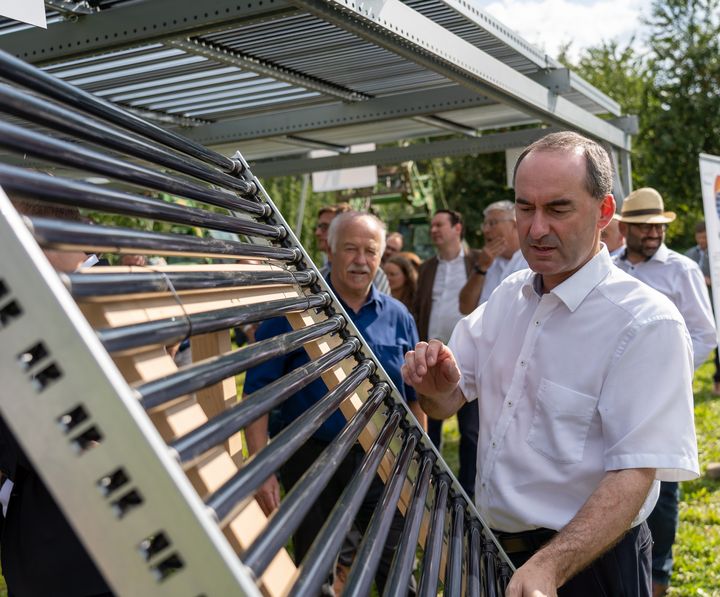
[[526, 541]]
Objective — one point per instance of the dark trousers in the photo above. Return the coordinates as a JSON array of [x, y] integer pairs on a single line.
[[468, 423], [624, 571], [320, 511], [663, 523]]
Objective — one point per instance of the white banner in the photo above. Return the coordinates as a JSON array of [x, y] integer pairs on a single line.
[[27, 11], [710, 184], [511, 157], [347, 178]]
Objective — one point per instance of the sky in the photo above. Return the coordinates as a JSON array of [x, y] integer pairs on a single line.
[[583, 22]]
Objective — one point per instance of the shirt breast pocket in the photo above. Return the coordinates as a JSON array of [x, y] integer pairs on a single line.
[[561, 422]]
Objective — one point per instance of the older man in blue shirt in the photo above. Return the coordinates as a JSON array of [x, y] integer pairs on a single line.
[[356, 244]]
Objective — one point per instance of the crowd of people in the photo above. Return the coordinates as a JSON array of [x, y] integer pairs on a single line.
[[566, 348]]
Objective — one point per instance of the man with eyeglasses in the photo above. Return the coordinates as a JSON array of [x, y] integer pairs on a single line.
[[500, 257], [643, 221]]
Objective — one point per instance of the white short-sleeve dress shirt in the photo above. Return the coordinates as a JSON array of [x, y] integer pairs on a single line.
[[450, 277], [500, 269], [571, 384], [681, 280]]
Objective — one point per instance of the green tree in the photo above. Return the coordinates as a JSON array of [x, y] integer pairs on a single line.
[[470, 183], [684, 106], [622, 73]]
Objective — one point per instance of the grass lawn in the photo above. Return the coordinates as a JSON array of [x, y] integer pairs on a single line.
[[697, 549]]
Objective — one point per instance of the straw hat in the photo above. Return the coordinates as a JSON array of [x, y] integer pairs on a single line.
[[645, 206]]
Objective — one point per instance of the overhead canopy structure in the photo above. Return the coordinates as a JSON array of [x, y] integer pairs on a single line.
[[276, 78]]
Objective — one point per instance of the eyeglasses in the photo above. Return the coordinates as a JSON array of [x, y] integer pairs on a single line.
[[493, 223], [645, 228], [322, 226]]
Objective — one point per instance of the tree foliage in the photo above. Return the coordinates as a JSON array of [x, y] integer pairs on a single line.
[[685, 99], [674, 88]]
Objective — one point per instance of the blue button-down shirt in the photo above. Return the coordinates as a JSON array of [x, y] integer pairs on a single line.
[[387, 327]]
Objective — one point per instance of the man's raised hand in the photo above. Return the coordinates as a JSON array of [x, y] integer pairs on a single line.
[[431, 369]]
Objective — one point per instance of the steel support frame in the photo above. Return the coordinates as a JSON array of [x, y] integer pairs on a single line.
[[395, 155], [219, 54], [169, 503], [398, 28], [506, 36], [289, 121], [135, 25]]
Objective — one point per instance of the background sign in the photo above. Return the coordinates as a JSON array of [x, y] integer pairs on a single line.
[[347, 178], [710, 184], [27, 11]]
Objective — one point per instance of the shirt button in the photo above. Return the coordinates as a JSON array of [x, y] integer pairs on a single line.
[[523, 363], [537, 323], [493, 444], [509, 403]]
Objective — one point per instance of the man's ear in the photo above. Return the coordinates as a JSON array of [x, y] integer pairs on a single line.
[[607, 210]]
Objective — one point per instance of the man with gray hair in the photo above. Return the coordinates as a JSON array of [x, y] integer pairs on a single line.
[[580, 415], [500, 257], [355, 246], [326, 215]]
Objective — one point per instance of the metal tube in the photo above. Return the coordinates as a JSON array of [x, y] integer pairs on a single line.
[[454, 569], [175, 329], [192, 445], [488, 568], [64, 235], [320, 557], [504, 575], [301, 497], [67, 120], [14, 69], [402, 566], [371, 549], [210, 371], [29, 142], [434, 542], [473, 563], [85, 195], [249, 478], [98, 285]]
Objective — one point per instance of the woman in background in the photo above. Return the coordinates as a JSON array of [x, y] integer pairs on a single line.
[[402, 278]]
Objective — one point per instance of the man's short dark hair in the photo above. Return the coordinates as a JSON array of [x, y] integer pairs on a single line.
[[455, 218], [335, 209], [700, 227], [599, 175]]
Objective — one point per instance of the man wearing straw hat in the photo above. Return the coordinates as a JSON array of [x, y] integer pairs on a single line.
[[643, 221], [579, 419]]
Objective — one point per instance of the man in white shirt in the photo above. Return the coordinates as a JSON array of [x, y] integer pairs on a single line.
[[500, 257], [578, 417], [699, 254], [643, 221], [436, 310]]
